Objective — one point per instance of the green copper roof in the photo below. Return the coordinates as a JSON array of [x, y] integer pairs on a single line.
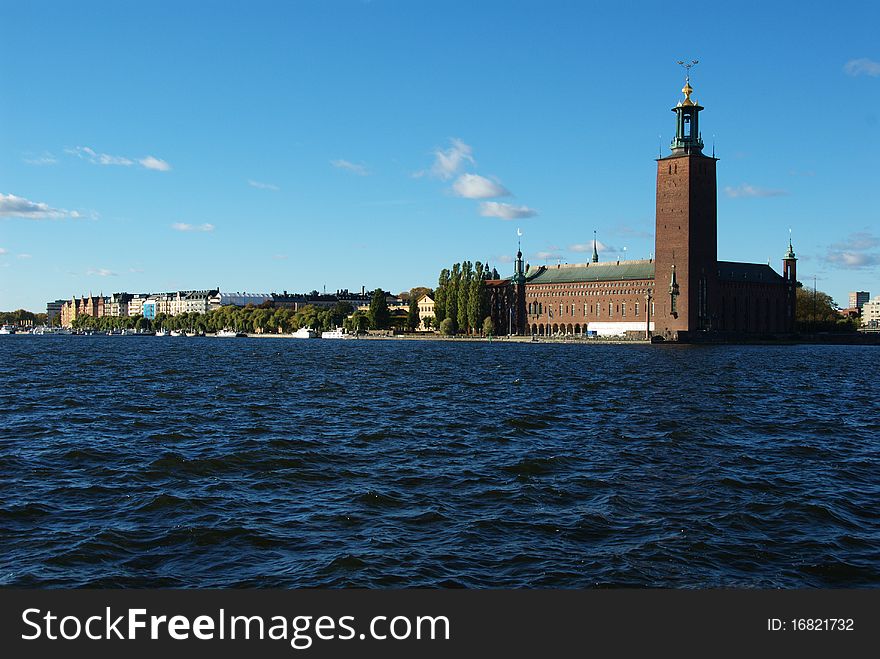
[[616, 271]]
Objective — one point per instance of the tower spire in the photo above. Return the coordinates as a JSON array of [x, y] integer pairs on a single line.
[[790, 253], [595, 250], [519, 273], [687, 132]]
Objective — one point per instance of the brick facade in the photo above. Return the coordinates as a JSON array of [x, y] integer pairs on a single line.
[[684, 293]]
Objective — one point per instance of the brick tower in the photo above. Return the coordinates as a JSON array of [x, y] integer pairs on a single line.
[[789, 273], [518, 322], [686, 237]]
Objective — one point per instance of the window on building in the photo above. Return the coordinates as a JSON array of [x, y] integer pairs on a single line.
[[636, 310], [610, 309], [623, 310]]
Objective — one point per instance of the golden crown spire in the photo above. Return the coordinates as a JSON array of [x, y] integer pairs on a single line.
[[686, 90]]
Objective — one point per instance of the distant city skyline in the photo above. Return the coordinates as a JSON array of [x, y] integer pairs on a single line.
[[343, 144]]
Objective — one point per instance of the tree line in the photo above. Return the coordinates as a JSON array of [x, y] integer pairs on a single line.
[[261, 319], [815, 311], [22, 317], [461, 302]]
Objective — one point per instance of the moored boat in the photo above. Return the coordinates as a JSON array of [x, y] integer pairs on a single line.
[[305, 333], [230, 334]]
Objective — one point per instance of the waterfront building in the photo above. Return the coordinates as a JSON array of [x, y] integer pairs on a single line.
[[149, 307], [871, 313], [199, 301], [858, 298], [426, 309], [683, 293], [117, 304], [222, 299], [136, 304], [85, 306], [296, 301], [53, 310]]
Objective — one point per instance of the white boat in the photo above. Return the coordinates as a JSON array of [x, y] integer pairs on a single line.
[[305, 333], [177, 333], [7, 329], [43, 330], [230, 334], [161, 332], [337, 333]]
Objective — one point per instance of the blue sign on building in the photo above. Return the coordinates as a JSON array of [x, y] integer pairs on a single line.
[[149, 310]]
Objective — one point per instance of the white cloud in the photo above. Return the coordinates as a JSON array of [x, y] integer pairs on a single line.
[[854, 260], [355, 168], [447, 162], [101, 272], [504, 258], [279, 257], [746, 190], [474, 186], [588, 247], [853, 252], [861, 240], [3, 251], [12, 206], [505, 211], [24, 256], [547, 256], [182, 226], [45, 159], [862, 66], [263, 186], [156, 164], [136, 270], [92, 156]]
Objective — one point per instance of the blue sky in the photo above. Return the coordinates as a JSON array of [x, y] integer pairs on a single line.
[[295, 145]]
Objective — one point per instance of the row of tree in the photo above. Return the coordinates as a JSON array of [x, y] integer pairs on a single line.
[[461, 303], [261, 319], [815, 311], [241, 319], [22, 317]]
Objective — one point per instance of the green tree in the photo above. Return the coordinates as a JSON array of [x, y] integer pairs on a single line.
[[440, 296], [412, 318], [476, 297], [815, 311], [357, 323], [340, 311], [379, 315], [463, 293], [447, 327], [452, 296], [488, 326]]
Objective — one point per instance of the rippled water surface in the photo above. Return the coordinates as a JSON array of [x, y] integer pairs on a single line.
[[146, 461]]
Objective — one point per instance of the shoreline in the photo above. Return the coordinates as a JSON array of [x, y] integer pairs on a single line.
[[857, 339]]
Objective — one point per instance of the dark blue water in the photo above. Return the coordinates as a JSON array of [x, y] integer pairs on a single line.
[[145, 461]]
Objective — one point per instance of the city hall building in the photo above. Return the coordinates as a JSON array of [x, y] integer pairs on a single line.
[[683, 293]]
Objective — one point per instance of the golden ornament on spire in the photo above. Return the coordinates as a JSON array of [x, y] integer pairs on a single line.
[[686, 90]]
